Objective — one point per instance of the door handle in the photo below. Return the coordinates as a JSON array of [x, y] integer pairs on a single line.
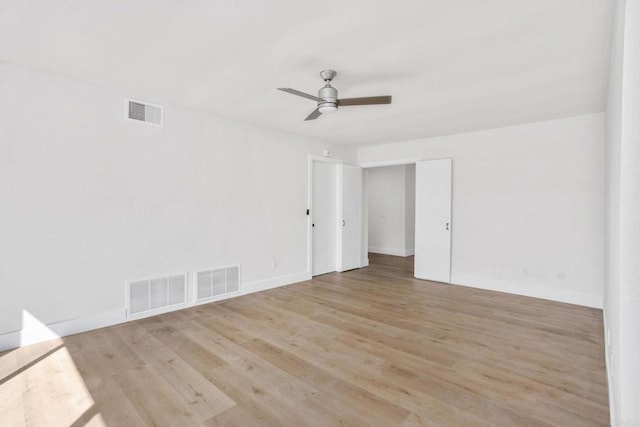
[[447, 226], [343, 223]]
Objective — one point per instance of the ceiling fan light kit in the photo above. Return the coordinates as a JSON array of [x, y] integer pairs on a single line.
[[327, 98]]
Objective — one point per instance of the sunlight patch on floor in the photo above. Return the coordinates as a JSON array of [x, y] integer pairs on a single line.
[[41, 385]]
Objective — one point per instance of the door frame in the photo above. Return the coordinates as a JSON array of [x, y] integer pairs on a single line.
[[314, 158]]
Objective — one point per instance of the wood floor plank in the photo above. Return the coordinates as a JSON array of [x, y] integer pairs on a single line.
[[337, 392], [373, 346], [45, 382], [203, 399], [11, 403]]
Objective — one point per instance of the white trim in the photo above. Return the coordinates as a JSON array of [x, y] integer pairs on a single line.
[[157, 311], [340, 218], [531, 290], [607, 364], [364, 244], [392, 162], [55, 330], [217, 298], [275, 282], [313, 157], [391, 251]]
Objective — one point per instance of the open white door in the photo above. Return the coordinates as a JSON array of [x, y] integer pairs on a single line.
[[433, 220], [324, 217], [350, 215]]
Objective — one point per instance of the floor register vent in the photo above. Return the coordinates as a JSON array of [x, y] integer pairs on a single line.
[[156, 294], [215, 283]]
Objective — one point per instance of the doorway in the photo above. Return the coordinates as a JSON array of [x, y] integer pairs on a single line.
[[409, 213], [391, 210]]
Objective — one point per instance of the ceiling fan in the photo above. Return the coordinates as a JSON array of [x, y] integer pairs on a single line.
[[327, 98]]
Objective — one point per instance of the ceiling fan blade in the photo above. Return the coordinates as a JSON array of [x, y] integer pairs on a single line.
[[302, 94], [314, 115], [367, 100]]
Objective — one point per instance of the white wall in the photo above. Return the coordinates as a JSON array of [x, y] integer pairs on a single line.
[[622, 292], [389, 222], [386, 210], [528, 203], [91, 200]]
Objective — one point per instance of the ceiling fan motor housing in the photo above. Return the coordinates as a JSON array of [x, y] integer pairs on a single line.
[[329, 96]]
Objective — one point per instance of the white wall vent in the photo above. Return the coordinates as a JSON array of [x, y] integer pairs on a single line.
[[157, 294], [144, 112], [216, 283]]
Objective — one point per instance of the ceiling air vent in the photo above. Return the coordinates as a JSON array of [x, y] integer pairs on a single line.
[[144, 112]]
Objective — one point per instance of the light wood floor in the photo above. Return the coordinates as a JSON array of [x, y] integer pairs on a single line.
[[367, 347]]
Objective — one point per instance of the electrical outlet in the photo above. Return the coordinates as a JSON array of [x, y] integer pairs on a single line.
[[560, 275], [274, 264]]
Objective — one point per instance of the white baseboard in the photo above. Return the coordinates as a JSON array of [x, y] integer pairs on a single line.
[[275, 282], [530, 290], [391, 251], [39, 333]]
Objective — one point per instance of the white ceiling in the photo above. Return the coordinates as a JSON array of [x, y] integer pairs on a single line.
[[450, 65]]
